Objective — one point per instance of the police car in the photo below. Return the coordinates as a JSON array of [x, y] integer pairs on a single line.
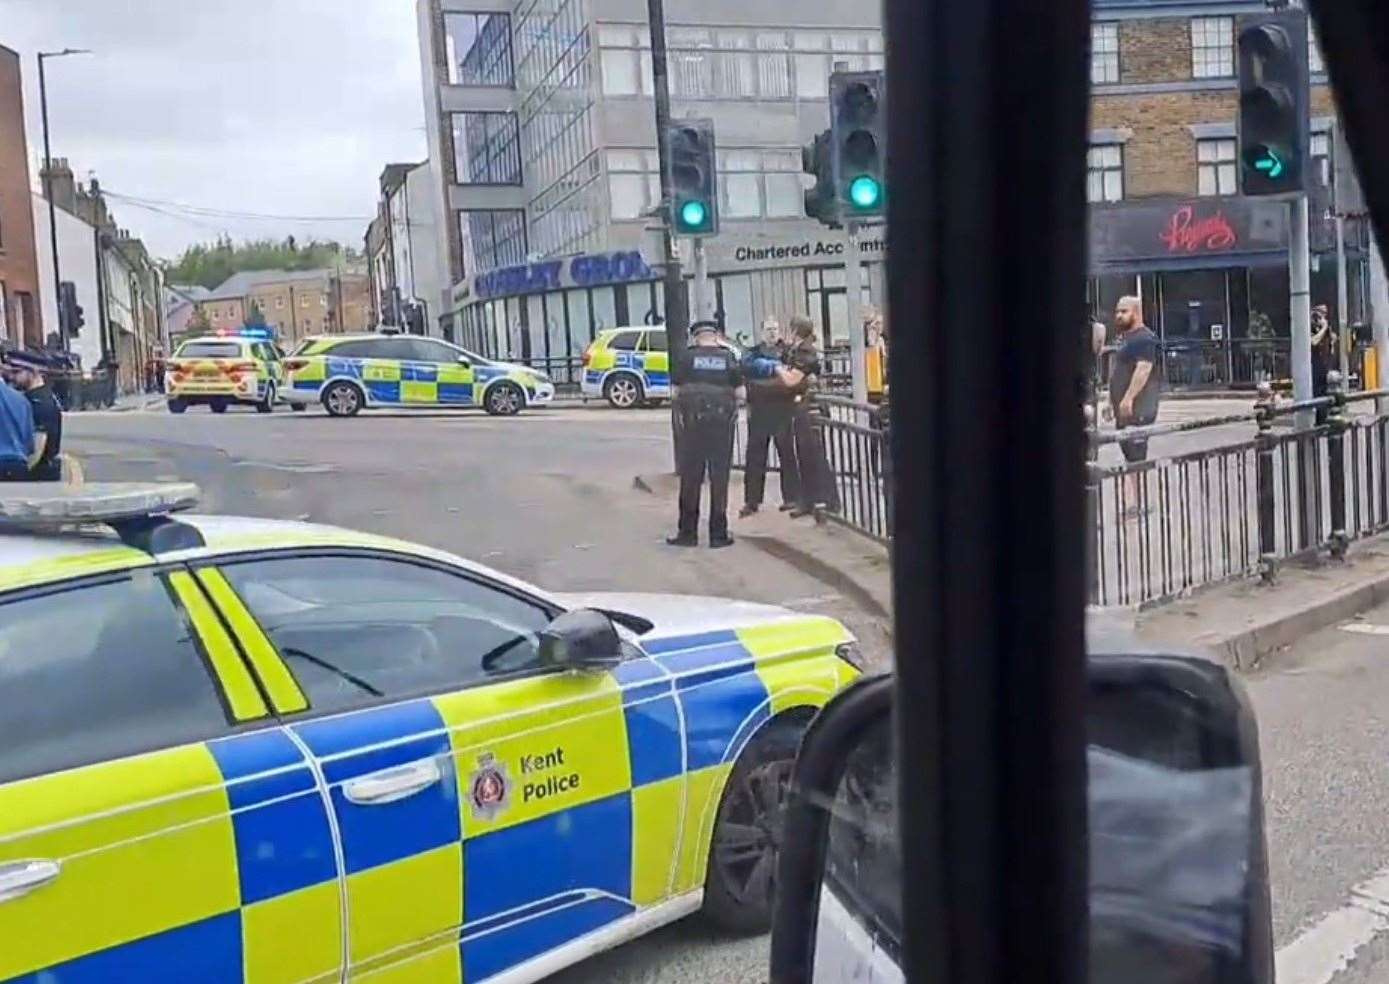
[[628, 367], [251, 750], [348, 373], [218, 370]]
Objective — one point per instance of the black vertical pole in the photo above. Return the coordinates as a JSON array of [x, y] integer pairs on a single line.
[[1337, 425], [677, 302], [1265, 444], [52, 209]]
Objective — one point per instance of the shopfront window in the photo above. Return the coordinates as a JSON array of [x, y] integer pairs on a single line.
[[580, 324], [1193, 301], [479, 49], [1269, 306], [604, 309]]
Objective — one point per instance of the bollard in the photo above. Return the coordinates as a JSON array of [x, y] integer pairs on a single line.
[[1337, 423], [1094, 541], [1265, 443]]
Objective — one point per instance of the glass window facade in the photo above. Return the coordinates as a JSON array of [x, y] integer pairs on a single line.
[[733, 63], [492, 238], [753, 183], [562, 164], [1212, 47], [487, 148], [478, 47]]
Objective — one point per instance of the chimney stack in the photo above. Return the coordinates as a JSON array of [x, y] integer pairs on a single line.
[[60, 181]]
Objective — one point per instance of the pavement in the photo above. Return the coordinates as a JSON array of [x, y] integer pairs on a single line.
[[550, 496]]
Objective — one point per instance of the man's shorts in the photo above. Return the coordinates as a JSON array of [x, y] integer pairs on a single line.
[[1136, 449]]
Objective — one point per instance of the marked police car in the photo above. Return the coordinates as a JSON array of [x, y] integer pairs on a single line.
[[628, 367], [347, 373], [250, 750], [219, 370]]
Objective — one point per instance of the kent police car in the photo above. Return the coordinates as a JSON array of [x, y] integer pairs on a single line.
[[219, 370], [250, 750], [627, 367], [348, 373]]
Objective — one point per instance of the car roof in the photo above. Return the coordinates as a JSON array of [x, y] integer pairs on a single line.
[[219, 338], [31, 559]]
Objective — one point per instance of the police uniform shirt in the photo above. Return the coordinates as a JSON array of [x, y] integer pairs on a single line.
[[48, 420], [708, 365]]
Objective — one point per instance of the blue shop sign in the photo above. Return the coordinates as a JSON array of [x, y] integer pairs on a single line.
[[585, 270]]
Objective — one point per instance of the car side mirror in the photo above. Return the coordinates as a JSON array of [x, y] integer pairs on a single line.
[[464, 361], [1178, 859], [580, 640]]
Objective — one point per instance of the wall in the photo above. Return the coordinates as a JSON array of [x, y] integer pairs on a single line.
[[425, 279], [77, 257], [19, 267]]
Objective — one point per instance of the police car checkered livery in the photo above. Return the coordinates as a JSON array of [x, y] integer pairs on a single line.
[[218, 371], [245, 750], [348, 373], [627, 367]]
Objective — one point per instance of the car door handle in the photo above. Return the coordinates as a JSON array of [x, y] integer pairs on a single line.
[[391, 785], [22, 877]]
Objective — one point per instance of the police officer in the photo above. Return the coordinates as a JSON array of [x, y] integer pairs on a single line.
[[801, 375], [706, 376], [16, 432], [770, 407], [26, 370]]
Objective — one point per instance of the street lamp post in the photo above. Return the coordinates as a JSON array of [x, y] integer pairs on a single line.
[[48, 189]]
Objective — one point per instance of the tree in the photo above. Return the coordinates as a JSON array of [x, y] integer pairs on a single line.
[[210, 264], [255, 317], [198, 322]]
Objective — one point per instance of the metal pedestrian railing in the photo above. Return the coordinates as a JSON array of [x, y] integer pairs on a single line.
[[854, 440], [1313, 476]]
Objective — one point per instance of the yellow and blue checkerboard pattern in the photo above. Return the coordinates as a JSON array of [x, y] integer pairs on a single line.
[[227, 861], [397, 382], [652, 367]]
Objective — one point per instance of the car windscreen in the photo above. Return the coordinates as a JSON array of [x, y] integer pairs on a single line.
[[210, 350]]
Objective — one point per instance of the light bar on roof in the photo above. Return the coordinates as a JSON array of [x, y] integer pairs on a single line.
[[40, 505]]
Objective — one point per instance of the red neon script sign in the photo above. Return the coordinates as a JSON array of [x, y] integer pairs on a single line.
[[1187, 234]]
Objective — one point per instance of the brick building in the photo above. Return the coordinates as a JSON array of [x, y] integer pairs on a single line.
[[20, 317], [294, 303], [1167, 221]]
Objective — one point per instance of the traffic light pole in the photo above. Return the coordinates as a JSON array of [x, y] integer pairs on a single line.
[[853, 293], [676, 300], [1300, 305]]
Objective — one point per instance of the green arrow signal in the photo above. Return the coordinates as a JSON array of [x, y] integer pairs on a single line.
[[1271, 164]]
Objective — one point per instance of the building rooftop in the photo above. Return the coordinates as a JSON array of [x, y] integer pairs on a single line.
[[241, 284]]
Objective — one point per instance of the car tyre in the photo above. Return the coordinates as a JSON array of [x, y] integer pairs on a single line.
[[218, 406], [267, 405], [623, 391], [505, 399], [343, 399], [740, 882], [177, 406]]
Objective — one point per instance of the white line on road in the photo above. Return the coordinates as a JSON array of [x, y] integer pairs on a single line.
[[1325, 950], [1365, 628]]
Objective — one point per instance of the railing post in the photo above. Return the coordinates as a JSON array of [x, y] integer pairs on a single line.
[[1094, 541], [1265, 443], [1337, 423]]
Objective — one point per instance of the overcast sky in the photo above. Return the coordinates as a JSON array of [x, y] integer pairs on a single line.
[[276, 107]]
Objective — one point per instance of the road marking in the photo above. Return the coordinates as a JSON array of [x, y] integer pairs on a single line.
[[1325, 950], [1365, 628]]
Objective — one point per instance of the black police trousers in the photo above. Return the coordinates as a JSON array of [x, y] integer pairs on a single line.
[[14, 470], [769, 422], [817, 480], [704, 420]]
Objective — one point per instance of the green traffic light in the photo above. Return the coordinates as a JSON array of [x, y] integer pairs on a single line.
[[693, 214], [865, 192], [1270, 165]]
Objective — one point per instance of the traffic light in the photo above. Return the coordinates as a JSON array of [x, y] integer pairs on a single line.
[[694, 199], [820, 203], [1273, 104], [858, 142], [69, 311]]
